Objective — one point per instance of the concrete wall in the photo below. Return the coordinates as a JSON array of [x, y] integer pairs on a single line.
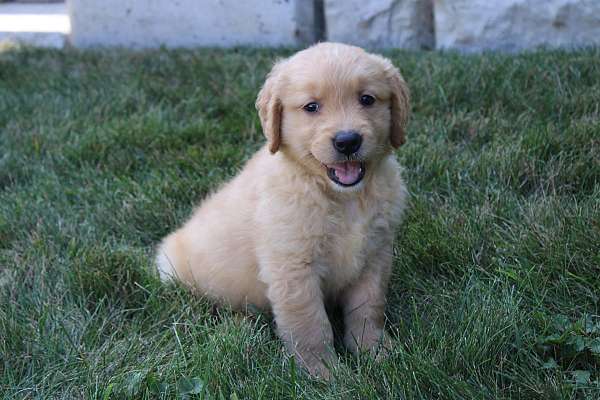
[[512, 25], [380, 24], [466, 25], [190, 23]]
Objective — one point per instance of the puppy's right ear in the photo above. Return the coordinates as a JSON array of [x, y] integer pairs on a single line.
[[270, 108]]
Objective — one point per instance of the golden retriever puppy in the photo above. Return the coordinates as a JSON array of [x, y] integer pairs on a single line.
[[310, 219]]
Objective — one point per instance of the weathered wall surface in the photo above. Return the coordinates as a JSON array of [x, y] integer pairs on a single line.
[[465, 25], [380, 23], [190, 23], [509, 25]]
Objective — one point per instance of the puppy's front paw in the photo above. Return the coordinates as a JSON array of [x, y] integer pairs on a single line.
[[383, 348], [319, 370], [318, 365], [375, 341]]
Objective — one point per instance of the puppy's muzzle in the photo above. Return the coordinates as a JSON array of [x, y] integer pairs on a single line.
[[350, 172], [347, 142]]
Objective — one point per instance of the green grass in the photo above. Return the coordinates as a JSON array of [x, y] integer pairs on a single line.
[[496, 283]]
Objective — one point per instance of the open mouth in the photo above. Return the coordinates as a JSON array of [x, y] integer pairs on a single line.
[[347, 173]]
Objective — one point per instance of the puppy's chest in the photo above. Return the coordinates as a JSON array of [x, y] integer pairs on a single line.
[[343, 251]]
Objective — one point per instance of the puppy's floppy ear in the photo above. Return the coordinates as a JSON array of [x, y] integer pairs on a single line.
[[400, 107], [270, 108]]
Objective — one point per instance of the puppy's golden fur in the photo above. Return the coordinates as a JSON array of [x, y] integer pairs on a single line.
[[286, 237]]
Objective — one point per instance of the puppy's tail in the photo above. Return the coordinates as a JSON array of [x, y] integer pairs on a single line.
[[166, 262]]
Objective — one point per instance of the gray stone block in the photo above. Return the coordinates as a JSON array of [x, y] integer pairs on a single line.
[[191, 23], [512, 25], [380, 23]]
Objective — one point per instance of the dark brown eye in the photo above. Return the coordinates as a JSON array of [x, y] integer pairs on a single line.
[[311, 107], [367, 100]]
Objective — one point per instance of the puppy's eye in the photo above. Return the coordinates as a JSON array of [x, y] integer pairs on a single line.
[[367, 100], [311, 107]]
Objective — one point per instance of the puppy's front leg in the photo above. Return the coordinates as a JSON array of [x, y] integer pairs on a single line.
[[363, 305], [297, 301]]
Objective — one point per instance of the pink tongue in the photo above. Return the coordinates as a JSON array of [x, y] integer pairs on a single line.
[[347, 172]]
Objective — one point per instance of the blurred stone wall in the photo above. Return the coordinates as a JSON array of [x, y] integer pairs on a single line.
[[191, 23], [466, 25], [475, 25]]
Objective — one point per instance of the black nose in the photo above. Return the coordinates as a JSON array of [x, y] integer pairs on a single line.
[[347, 142]]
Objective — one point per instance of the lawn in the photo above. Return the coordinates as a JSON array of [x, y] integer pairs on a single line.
[[496, 284]]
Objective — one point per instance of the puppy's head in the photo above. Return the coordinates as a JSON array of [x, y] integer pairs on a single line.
[[336, 110]]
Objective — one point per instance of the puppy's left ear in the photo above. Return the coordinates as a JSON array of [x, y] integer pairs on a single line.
[[400, 107], [270, 108]]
